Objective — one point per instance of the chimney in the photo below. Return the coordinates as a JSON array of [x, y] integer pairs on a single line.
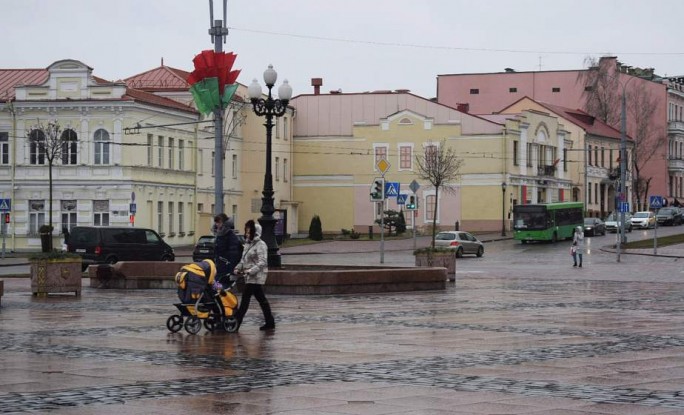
[[317, 83]]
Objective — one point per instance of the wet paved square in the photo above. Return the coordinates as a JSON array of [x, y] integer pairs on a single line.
[[486, 345]]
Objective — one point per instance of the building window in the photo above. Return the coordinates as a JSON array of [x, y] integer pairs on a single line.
[[588, 193], [37, 147], [596, 156], [101, 138], [36, 216], [101, 212], [69, 147], [213, 163], [610, 158], [603, 157], [515, 153], [405, 157], [430, 208], [512, 90], [160, 217], [430, 156], [555, 89], [4, 148], [529, 154], [596, 193], [565, 159], [200, 207], [277, 169], [150, 145], [181, 224], [171, 159], [588, 155], [380, 153], [68, 210], [474, 91], [160, 151], [286, 173], [286, 130], [171, 218], [181, 154], [235, 166]]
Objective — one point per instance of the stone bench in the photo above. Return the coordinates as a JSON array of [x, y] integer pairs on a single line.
[[134, 275], [290, 280]]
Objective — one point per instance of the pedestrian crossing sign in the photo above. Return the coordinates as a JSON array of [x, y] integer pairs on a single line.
[[391, 189], [5, 205]]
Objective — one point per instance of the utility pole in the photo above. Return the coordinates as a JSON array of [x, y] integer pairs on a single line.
[[218, 32]]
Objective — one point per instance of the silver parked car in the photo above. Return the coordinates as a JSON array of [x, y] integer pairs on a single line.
[[462, 242], [613, 222]]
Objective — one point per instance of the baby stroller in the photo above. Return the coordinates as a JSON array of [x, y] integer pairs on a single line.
[[204, 299]]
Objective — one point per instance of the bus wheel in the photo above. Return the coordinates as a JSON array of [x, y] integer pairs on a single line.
[[554, 238], [523, 242]]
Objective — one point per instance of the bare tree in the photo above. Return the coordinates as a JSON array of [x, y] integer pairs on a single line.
[[603, 94], [438, 165], [49, 144]]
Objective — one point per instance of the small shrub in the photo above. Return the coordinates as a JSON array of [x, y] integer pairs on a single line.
[[316, 229], [354, 235], [54, 254], [346, 232]]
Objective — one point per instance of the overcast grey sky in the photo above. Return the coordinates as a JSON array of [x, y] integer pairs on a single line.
[[353, 45]]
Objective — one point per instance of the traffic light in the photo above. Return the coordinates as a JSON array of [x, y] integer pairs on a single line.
[[411, 203], [7, 217], [377, 193]]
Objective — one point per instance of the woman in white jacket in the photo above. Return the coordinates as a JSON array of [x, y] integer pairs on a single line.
[[578, 244], [254, 267]]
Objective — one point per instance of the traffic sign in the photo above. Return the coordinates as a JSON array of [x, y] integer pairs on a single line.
[[401, 199], [391, 189], [382, 165], [132, 208], [656, 202], [624, 207], [5, 205], [414, 186]]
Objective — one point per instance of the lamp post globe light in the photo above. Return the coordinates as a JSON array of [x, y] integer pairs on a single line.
[[503, 208], [270, 108]]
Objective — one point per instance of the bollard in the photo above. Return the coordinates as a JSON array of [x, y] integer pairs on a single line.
[[370, 232], [456, 226]]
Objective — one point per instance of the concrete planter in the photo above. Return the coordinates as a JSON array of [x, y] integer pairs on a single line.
[[56, 276], [438, 259]]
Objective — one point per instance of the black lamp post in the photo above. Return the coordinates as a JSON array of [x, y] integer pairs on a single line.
[[270, 108], [503, 209]]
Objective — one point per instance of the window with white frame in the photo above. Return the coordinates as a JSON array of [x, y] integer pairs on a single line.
[[36, 147], [430, 201], [171, 150], [150, 148], [69, 147], [234, 167], [171, 218], [160, 151], [36, 216], [430, 155], [380, 153], [160, 217], [101, 212], [181, 154], [68, 212], [181, 224], [4, 147], [405, 157], [277, 169], [101, 138]]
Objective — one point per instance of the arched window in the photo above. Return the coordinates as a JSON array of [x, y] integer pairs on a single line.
[[101, 146], [69, 147], [37, 147]]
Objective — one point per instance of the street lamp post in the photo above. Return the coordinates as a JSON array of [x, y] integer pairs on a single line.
[[269, 108], [503, 208]]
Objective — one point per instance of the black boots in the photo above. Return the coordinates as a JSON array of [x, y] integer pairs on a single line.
[[268, 316]]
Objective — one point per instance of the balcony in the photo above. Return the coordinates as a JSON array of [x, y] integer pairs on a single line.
[[675, 127], [675, 165], [549, 171]]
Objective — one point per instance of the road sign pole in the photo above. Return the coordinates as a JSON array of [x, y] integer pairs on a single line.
[[4, 232], [655, 234]]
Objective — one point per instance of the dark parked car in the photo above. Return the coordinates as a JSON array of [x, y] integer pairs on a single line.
[[109, 245], [669, 216], [594, 226], [204, 248]]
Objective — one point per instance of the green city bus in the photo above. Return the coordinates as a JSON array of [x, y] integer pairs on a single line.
[[547, 222]]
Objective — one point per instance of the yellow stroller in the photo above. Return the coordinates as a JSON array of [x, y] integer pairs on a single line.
[[204, 299]]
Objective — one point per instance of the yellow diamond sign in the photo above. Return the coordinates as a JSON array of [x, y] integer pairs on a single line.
[[382, 165]]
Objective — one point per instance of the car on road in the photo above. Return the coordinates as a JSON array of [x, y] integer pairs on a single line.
[[594, 226], [643, 220], [612, 222], [462, 242], [669, 216], [204, 248]]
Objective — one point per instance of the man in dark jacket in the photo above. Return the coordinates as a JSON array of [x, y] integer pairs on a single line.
[[227, 245]]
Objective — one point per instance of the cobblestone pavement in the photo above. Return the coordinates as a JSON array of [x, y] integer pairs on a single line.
[[500, 342]]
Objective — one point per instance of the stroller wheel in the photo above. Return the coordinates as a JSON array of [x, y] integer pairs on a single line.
[[210, 323], [230, 324], [193, 325], [174, 323]]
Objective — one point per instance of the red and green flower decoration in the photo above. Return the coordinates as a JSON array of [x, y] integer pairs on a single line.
[[213, 82]]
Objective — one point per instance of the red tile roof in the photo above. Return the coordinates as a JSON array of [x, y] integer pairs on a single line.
[[589, 123], [162, 78], [156, 100], [10, 78]]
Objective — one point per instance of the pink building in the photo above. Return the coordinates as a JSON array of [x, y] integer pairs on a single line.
[[661, 153]]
